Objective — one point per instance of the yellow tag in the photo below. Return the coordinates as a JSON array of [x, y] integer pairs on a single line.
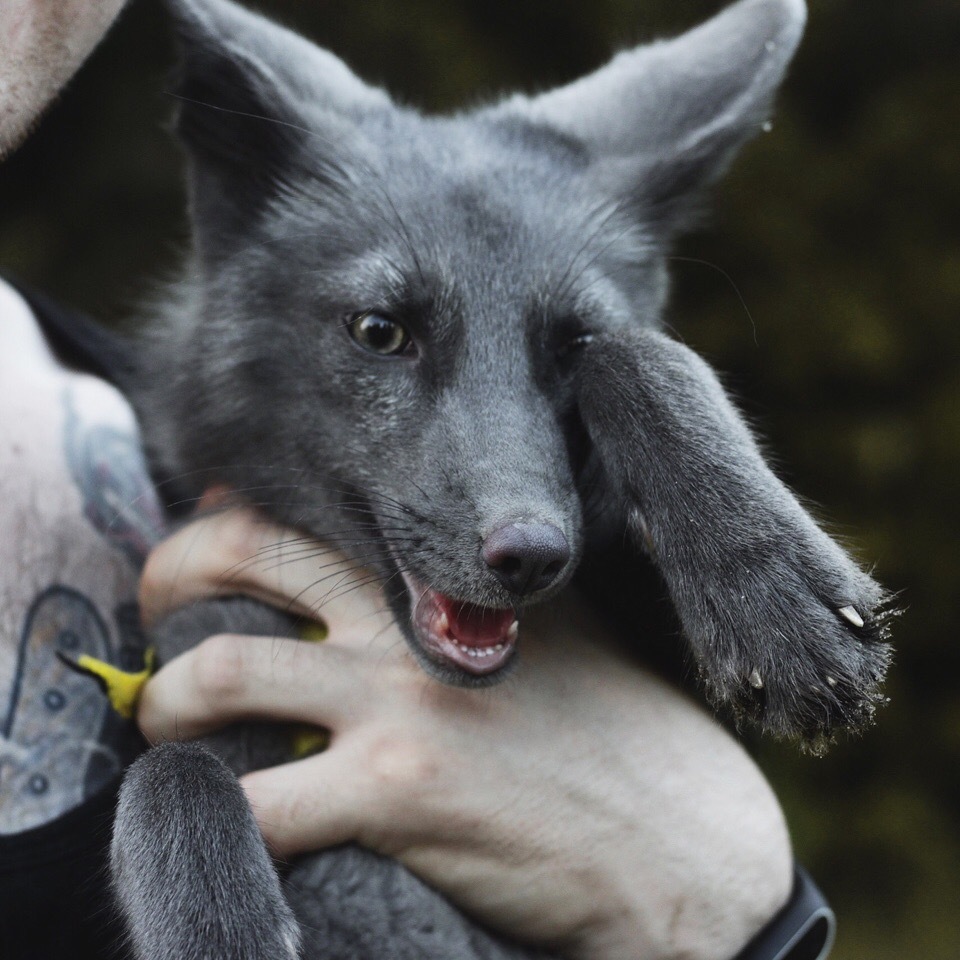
[[314, 632], [122, 687], [304, 739]]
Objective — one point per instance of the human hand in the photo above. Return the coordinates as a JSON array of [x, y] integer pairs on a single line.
[[582, 804]]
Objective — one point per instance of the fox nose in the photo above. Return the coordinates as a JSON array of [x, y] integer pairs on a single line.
[[526, 557]]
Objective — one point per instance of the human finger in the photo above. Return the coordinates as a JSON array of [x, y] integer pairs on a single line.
[[229, 678], [309, 804], [237, 550]]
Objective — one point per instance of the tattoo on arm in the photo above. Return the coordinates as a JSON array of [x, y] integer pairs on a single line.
[[109, 469]]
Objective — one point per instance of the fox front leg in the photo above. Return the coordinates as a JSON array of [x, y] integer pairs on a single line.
[[192, 876], [785, 627]]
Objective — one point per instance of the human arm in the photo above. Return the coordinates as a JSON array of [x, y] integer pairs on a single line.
[[582, 804]]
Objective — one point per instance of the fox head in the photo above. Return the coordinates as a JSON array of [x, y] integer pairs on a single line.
[[382, 328]]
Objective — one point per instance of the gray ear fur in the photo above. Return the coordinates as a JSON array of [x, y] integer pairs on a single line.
[[667, 117], [251, 95], [279, 57]]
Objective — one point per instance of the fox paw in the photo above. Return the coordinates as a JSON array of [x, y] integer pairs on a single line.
[[797, 645]]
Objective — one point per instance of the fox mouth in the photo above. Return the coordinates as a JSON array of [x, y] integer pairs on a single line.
[[476, 640]]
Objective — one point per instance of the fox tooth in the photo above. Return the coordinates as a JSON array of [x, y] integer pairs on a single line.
[[513, 631], [851, 616], [443, 623], [756, 681]]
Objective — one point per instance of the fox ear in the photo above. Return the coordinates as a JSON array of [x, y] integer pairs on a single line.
[[251, 95], [665, 119]]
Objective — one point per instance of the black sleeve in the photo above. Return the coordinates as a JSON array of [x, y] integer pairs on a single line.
[[55, 901]]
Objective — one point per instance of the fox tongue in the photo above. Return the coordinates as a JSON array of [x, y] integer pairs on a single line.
[[473, 626], [477, 641]]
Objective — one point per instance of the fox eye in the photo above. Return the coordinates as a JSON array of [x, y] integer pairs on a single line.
[[380, 334], [574, 344]]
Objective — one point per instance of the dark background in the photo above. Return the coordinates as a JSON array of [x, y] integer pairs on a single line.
[[827, 287]]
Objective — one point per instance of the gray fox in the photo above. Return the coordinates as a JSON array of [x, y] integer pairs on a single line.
[[439, 340]]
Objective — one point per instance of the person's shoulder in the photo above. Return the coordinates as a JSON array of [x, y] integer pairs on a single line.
[[21, 338], [67, 335]]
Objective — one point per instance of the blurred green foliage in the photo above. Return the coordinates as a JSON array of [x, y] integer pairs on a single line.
[[827, 287]]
